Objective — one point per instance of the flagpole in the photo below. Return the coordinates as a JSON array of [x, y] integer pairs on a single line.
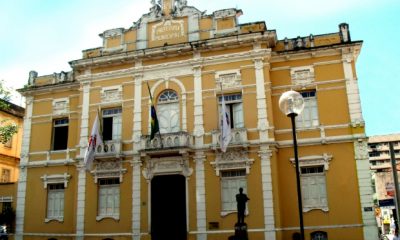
[[152, 104], [222, 129], [99, 113]]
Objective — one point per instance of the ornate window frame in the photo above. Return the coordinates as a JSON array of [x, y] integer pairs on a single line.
[[232, 159], [111, 94], [302, 76], [167, 165], [315, 161], [60, 106], [55, 179], [107, 168], [228, 78]]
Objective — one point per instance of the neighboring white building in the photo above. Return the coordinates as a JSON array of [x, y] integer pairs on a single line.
[[379, 157]]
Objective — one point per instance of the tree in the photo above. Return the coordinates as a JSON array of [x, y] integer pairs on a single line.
[[7, 129]]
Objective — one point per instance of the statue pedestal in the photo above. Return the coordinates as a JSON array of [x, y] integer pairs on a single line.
[[240, 232]]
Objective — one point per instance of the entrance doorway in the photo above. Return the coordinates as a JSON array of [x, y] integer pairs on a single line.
[[168, 208]]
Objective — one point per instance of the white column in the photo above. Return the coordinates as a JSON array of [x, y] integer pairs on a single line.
[[263, 124], [269, 219], [137, 113], [365, 189], [199, 159], [80, 210], [136, 165], [21, 190], [198, 107], [353, 95], [84, 136]]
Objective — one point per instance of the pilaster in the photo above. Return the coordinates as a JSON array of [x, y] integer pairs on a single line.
[[199, 159], [84, 131], [263, 123], [21, 190], [84, 136], [136, 165], [370, 228], [269, 219], [137, 112], [198, 107], [80, 209], [353, 95]]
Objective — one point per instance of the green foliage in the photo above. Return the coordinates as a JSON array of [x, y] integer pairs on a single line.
[[7, 130], [5, 95]]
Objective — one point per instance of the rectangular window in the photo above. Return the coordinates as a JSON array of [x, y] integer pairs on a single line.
[[5, 175], [231, 181], [55, 201], [234, 107], [112, 124], [108, 197], [374, 154], [60, 134], [309, 116], [313, 187]]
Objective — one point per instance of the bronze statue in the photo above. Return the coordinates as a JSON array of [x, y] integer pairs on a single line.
[[241, 200]]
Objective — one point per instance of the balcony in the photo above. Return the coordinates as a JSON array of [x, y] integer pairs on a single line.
[[169, 141], [112, 148], [238, 138]]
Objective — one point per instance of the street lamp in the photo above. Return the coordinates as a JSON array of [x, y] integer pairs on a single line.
[[291, 103]]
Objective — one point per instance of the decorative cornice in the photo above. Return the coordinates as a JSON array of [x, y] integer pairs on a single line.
[[188, 48], [58, 87], [331, 50]]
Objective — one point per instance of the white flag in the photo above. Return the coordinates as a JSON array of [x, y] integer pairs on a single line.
[[225, 127], [94, 141]]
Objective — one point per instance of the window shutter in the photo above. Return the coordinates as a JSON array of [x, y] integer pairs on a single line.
[[117, 126], [238, 115]]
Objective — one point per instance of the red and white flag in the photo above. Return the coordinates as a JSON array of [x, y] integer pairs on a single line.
[[94, 141], [225, 127]]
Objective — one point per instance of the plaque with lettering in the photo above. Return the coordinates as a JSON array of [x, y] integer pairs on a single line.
[[168, 30]]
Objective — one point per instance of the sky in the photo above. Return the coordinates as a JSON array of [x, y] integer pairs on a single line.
[[44, 35]]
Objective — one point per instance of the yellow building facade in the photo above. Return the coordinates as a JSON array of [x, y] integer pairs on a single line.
[[9, 164], [180, 185]]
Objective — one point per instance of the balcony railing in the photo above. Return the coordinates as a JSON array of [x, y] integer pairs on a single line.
[[238, 138], [112, 148], [168, 141]]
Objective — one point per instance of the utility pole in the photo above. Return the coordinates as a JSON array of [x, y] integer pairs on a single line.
[[396, 183]]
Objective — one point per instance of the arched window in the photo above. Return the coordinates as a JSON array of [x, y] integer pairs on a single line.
[[319, 235], [168, 111]]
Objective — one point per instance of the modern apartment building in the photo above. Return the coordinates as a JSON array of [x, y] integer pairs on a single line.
[[381, 167], [180, 185], [379, 153]]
